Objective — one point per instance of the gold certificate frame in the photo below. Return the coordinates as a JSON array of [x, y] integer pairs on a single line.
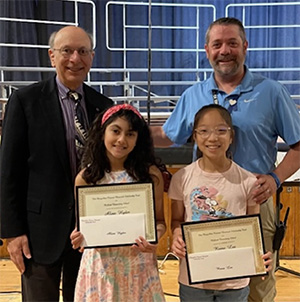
[[224, 249], [116, 214]]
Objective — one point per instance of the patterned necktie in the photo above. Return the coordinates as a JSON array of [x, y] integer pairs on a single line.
[[81, 124]]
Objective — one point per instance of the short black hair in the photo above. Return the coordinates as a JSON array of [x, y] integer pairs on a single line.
[[227, 21]]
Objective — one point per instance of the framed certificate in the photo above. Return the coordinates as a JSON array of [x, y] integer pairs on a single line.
[[116, 214], [224, 249]]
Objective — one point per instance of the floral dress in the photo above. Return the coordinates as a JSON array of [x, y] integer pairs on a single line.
[[118, 274]]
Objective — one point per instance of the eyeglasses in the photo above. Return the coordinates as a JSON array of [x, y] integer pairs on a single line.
[[218, 131], [66, 52]]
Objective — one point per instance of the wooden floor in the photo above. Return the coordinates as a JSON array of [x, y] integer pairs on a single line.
[[288, 285]]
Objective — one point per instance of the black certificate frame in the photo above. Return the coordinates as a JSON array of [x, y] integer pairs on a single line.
[[85, 196], [252, 222]]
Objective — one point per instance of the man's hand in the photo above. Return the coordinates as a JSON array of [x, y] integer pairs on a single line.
[[17, 246], [264, 188]]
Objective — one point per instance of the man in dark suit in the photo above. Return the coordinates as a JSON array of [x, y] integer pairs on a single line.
[[38, 167]]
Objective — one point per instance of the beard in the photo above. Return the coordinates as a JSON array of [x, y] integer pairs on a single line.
[[228, 69], [227, 66]]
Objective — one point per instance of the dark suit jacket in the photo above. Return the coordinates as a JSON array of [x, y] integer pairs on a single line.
[[36, 187]]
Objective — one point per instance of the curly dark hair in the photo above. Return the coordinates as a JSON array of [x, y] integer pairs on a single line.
[[95, 160]]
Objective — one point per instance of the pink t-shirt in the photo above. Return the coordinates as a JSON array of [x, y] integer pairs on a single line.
[[209, 196]]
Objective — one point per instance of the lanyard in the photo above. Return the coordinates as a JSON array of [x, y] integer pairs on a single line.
[[232, 102], [215, 97]]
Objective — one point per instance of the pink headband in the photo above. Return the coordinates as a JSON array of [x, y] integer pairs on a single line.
[[109, 112]]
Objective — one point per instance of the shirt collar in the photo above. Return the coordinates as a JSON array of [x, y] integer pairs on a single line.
[[63, 90]]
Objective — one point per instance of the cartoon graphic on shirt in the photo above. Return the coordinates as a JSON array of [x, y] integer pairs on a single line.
[[207, 204]]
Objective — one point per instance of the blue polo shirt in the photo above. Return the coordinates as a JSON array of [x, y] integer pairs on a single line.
[[265, 111]]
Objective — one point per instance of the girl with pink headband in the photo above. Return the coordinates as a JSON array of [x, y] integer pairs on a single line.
[[120, 149], [108, 113]]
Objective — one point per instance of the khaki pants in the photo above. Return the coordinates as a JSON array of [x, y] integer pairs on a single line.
[[265, 290]]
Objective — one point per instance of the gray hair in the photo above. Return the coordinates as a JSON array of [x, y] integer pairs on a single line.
[[53, 36], [226, 22]]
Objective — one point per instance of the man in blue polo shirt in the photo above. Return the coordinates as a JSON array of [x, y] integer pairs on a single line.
[[262, 111]]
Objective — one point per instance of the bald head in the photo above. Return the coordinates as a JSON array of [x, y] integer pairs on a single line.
[[69, 28]]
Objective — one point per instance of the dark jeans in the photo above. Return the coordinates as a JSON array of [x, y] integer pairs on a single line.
[[192, 294]]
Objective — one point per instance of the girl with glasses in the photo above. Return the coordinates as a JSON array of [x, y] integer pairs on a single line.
[[210, 188]]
